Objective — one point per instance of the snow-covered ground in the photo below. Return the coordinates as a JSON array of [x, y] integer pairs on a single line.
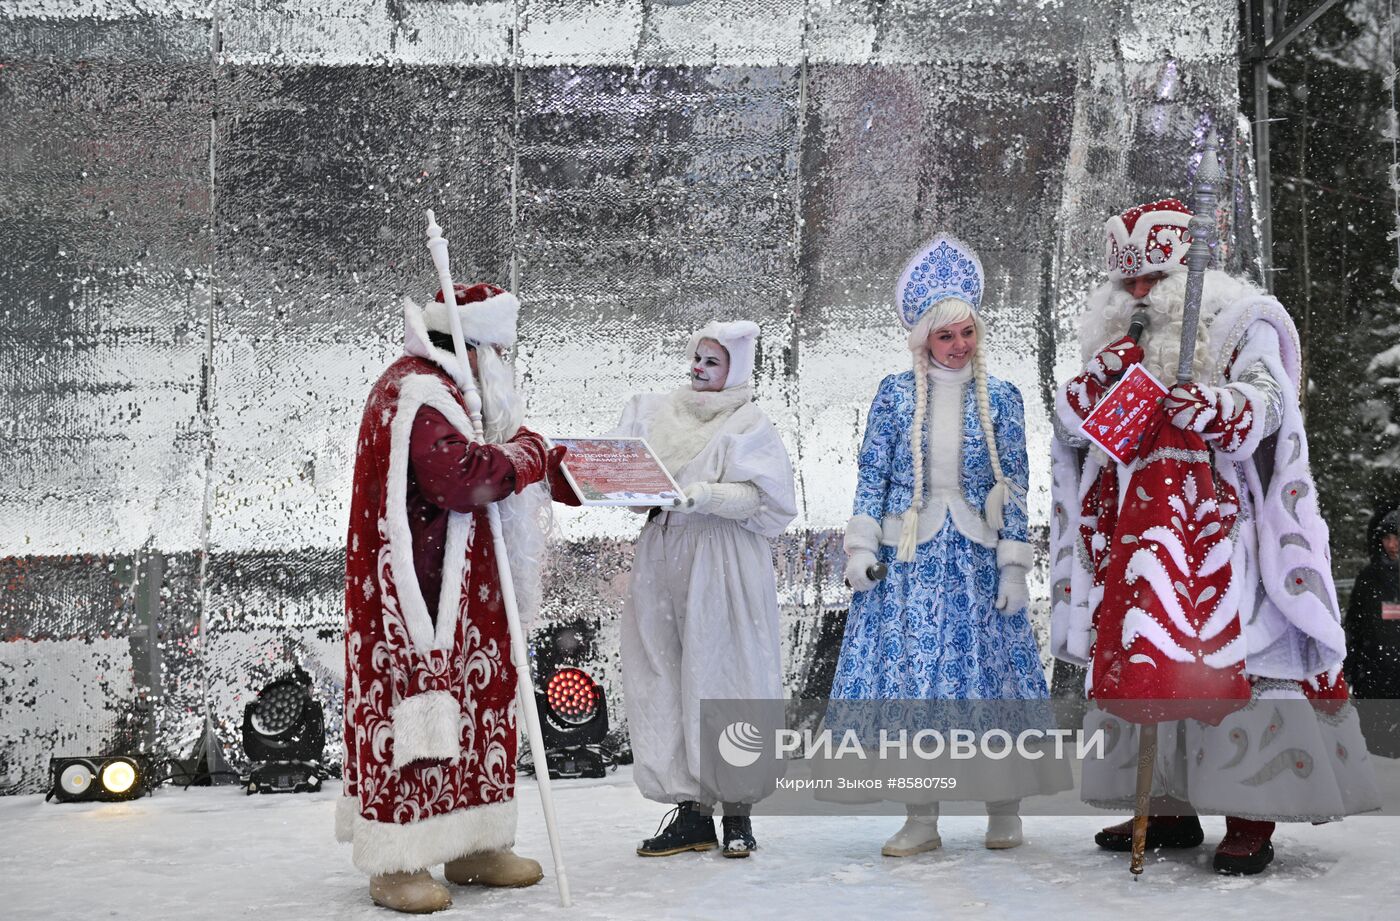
[[215, 853]]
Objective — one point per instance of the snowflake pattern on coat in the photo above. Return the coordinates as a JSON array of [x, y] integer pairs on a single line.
[[384, 667], [930, 630]]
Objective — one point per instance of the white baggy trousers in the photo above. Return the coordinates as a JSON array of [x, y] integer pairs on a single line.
[[700, 623]]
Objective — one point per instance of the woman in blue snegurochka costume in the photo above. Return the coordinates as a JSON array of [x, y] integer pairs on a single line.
[[940, 500]]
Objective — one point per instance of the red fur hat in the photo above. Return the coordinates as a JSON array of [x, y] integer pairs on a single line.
[[488, 314]]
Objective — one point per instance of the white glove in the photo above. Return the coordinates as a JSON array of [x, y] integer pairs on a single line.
[[727, 500], [857, 564], [697, 496], [1012, 594]]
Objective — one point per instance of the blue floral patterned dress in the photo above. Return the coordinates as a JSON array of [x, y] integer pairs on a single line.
[[930, 630]]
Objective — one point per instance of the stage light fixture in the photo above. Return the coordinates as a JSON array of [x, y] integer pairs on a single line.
[[89, 778], [574, 723], [284, 736], [118, 777]]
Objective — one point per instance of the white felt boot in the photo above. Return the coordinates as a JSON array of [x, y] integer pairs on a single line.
[[416, 893], [1004, 825], [503, 868], [919, 834]]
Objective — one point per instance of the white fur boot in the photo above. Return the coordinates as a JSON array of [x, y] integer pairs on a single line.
[[1004, 825], [919, 834], [416, 893]]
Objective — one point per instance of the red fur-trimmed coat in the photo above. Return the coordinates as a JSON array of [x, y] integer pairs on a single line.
[[430, 695]]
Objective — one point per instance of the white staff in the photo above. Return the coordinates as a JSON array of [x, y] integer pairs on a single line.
[[466, 381]]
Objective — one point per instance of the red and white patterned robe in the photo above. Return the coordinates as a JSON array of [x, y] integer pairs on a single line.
[[1305, 758], [430, 692]]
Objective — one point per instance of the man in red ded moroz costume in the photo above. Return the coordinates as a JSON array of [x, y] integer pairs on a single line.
[[1290, 747], [430, 691]]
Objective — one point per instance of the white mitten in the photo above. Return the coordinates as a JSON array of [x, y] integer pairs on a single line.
[[858, 564], [1012, 593], [861, 542], [1014, 560]]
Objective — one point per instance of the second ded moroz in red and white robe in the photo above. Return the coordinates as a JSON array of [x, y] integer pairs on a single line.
[[1294, 751]]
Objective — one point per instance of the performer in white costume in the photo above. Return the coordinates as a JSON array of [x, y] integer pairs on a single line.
[[701, 620], [1279, 758]]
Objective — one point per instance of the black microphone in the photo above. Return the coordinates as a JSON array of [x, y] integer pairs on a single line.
[[875, 573], [1138, 326]]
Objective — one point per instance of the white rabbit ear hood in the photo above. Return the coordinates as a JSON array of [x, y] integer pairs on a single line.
[[740, 340]]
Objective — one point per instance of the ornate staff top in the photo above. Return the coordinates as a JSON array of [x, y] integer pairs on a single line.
[[1203, 238]]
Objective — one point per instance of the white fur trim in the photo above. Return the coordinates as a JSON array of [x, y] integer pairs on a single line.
[[1014, 553], [426, 725], [1246, 321], [1137, 241], [686, 420], [415, 392], [1069, 422], [488, 322], [1250, 400], [417, 343], [862, 533], [1074, 599], [347, 809], [389, 847]]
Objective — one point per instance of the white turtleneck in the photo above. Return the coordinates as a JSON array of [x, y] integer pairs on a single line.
[[943, 496], [943, 461]]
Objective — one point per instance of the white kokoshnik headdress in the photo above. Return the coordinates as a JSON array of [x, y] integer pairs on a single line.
[[944, 268], [945, 272]]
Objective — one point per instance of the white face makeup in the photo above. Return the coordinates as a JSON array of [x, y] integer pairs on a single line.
[[953, 345], [709, 366]]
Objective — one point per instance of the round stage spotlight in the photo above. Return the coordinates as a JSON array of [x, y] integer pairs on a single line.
[[118, 777], [285, 723], [284, 735], [574, 722], [75, 780], [573, 696]]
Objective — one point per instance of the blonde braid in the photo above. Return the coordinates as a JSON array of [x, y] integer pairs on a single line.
[[909, 533], [996, 499]]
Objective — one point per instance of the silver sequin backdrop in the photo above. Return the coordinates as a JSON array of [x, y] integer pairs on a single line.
[[210, 210]]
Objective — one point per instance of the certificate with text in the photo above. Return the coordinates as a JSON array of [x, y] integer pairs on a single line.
[[617, 471]]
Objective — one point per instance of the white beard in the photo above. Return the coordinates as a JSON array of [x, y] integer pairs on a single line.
[[502, 410], [527, 517], [1109, 312], [688, 419]]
